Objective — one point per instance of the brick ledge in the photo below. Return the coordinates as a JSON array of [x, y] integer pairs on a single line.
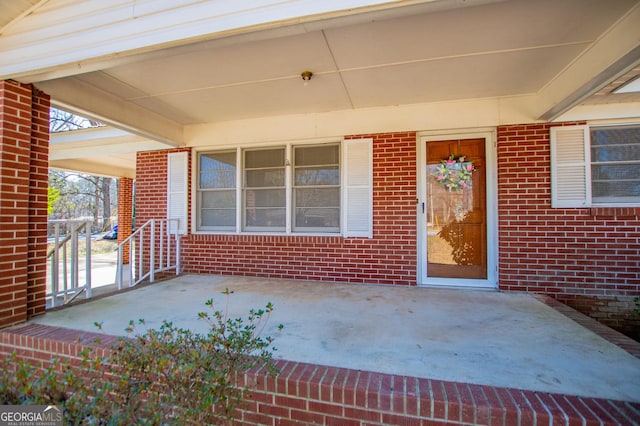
[[607, 333]]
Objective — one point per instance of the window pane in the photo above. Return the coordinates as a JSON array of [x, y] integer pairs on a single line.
[[615, 153], [218, 199], [219, 217], [221, 179], [317, 176], [218, 161], [610, 190], [266, 217], [265, 198], [615, 135], [616, 183], [317, 155], [616, 172], [264, 158], [318, 218], [264, 178], [218, 170], [324, 197]]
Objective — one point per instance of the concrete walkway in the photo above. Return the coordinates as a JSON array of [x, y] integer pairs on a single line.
[[487, 338]]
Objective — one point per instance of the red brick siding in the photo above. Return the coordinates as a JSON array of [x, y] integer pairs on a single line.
[[589, 258], [305, 394], [125, 213], [151, 185], [24, 138], [38, 201], [387, 258]]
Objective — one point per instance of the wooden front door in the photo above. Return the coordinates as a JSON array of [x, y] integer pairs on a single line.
[[456, 209]]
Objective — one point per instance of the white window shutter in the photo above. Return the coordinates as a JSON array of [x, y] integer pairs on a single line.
[[177, 181], [357, 217], [570, 167]]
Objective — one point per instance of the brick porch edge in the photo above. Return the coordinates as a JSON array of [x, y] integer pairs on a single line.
[[305, 394]]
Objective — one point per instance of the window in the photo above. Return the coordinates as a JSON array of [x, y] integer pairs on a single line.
[[615, 164], [598, 165], [264, 190], [305, 188], [217, 190], [316, 188]]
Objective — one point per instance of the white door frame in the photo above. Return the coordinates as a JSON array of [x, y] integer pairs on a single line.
[[489, 134]]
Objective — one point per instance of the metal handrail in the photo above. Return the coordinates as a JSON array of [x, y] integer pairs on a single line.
[[154, 234], [71, 287]]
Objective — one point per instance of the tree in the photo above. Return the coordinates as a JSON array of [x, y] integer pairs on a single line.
[[53, 195], [81, 195], [74, 195], [63, 121]]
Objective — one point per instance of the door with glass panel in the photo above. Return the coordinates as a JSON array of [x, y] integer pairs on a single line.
[[455, 209]]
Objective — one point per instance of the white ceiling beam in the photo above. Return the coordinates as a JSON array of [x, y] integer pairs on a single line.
[[469, 113], [111, 167], [613, 54], [97, 142], [76, 96]]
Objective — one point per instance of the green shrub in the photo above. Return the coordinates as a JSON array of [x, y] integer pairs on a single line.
[[165, 376]]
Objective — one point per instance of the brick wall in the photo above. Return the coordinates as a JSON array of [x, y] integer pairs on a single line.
[[38, 201], [24, 139], [125, 213], [587, 258], [388, 258]]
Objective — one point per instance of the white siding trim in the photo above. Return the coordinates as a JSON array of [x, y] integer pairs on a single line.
[[570, 167], [357, 202], [177, 189]]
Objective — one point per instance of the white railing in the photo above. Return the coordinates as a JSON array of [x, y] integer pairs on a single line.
[[153, 248], [65, 283]]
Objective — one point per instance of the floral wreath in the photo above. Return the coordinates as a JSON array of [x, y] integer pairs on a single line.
[[455, 173]]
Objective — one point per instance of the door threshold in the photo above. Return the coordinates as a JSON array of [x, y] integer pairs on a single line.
[[458, 286]]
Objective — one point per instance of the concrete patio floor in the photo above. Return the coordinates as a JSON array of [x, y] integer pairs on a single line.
[[482, 337]]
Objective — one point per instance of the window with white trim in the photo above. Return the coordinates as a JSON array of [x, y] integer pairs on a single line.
[[595, 165], [297, 188], [264, 192], [316, 188], [217, 190]]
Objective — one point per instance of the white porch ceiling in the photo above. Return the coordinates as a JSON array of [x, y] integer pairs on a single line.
[[407, 52]]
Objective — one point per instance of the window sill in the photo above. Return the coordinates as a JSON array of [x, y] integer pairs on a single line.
[[271, 234]]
